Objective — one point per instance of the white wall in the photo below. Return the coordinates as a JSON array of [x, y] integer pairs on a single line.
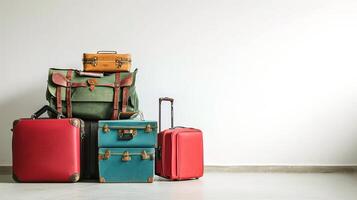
[[269, 82]]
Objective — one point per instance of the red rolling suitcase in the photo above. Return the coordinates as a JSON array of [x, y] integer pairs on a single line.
[[180, 151], [46, 150]]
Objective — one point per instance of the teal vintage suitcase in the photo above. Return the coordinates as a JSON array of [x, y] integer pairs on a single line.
[[129, 165], [127, 133]]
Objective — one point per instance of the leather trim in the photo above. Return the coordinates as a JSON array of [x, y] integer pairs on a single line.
[[75, 85], [127, 81], [58, 99], [68, 94], [116, 96], [59, 80], [125, 99]]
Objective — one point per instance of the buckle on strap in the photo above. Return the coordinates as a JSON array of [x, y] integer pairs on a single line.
[[92, 82]]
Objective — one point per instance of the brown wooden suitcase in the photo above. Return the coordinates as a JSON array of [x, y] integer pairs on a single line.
[[106, 61]]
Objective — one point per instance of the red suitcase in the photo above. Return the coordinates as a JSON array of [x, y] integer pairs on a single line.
[[180, 151], [46, 150]]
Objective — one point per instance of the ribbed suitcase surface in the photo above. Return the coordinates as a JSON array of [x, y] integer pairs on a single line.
[[180, 154], [89, 155]]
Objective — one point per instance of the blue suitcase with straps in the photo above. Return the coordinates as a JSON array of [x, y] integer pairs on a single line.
[[126, 150]]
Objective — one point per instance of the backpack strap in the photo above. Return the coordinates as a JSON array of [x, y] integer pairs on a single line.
[[116, 97], [125, 99], [68, 93], [58, 99], [61, 81], [125, 83]]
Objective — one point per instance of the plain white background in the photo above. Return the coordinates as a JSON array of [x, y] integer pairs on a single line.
[[269, 82]]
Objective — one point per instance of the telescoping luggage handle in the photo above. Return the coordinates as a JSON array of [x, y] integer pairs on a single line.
[[45, 108], [171, 100]]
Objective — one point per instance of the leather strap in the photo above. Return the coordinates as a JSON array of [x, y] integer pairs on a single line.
[[68, 93], [116, 96], [125, 99], [60, 80], [75, 85], [58, 99]]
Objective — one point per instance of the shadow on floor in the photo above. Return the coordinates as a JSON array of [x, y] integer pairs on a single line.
[[6, 179]]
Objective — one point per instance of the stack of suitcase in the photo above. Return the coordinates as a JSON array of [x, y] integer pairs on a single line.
[[93, 132], [126, 150]]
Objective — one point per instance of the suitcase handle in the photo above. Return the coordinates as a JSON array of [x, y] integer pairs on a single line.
[[90, 74], [127, 134], [106, 52], [171, 100], [45, 108], [178, 127]]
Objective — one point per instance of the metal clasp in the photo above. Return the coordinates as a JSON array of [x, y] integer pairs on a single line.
[[91, 61], [106, 155], [126, 134], [92, 82], [145, 156], [106, 128], [119, 62], [148, 128], [126, 156]]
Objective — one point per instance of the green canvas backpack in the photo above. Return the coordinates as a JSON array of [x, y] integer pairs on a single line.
[[112, 96]]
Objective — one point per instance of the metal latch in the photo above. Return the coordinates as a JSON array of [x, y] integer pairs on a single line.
[[92, 82], [119, 62], [106, 155], [127, 134], [148, 128], [106, 128], [145, 156], [91, 61], [126, 156]]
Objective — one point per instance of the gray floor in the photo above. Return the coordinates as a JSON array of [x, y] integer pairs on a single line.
[[220, 186]]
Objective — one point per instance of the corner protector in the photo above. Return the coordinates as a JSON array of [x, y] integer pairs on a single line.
[[101, 179], [74, 178], [150, 179], [75, 122]]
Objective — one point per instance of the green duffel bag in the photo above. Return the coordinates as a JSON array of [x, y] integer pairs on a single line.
[[88, 96]]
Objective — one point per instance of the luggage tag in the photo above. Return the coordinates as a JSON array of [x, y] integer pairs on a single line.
[[138, 114]]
